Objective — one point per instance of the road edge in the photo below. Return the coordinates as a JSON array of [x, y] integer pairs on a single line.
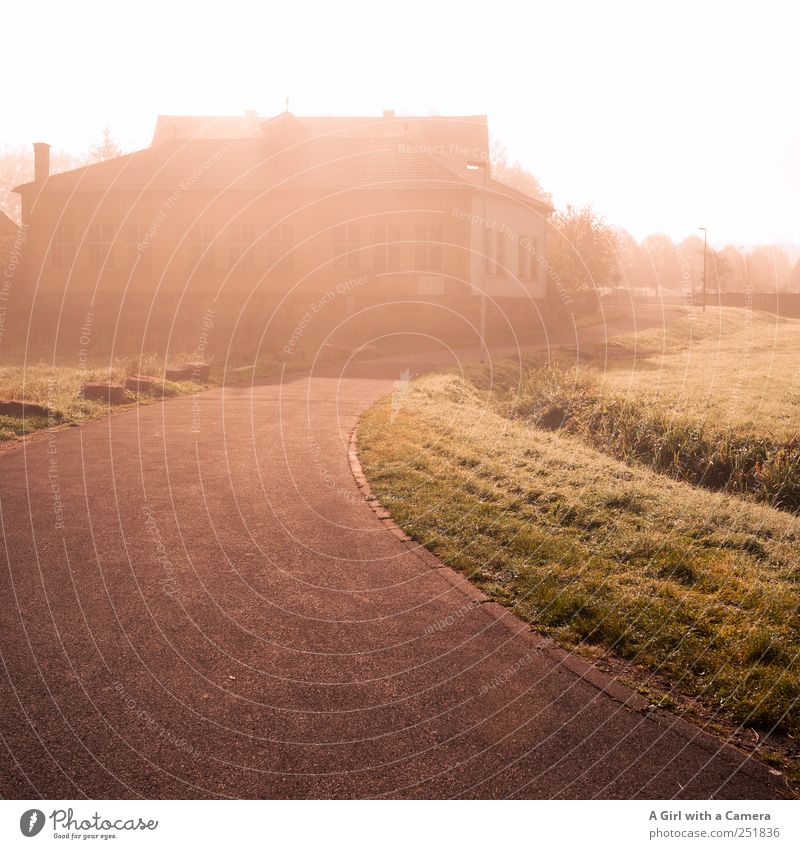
[[602, 681]]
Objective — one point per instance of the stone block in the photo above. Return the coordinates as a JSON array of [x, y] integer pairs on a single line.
[[110, 393], [141, 384], [25, 409]]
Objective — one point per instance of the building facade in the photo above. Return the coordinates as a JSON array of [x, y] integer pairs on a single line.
[[290, 232]]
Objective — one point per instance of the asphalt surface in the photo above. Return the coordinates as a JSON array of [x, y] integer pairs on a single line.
[[198, 601]]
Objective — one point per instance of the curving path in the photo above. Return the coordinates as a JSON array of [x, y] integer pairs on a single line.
[[222, 614]]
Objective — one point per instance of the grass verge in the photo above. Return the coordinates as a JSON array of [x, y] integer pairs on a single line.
[[699, 587], [58, 390]]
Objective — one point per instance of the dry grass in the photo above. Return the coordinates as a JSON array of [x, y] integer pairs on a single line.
[[58, 388], [711, 400], [732, 370], [699, 586]]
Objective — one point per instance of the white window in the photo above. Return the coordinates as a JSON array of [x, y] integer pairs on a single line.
[[500, 254], [279, 254], [528, 258], [388, 249], [486, 247], [62, 248], [428, 247], [137, 247], [346, 247], [99, 246], [201, 247], [494, 252], [241, 256]]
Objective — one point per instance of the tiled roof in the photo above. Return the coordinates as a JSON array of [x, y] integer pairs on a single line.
[[288, 153], [499, 189]]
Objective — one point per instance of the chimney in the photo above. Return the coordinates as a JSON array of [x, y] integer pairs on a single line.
[[41, 161], [388, 114]]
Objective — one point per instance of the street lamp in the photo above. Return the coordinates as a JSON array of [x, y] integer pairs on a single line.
[[748, 295], [705, 252], [484, 166]]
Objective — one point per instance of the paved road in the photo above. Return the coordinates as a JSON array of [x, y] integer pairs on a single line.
[[219, 613]]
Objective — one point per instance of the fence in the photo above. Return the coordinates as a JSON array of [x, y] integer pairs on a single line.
[[784, 304]]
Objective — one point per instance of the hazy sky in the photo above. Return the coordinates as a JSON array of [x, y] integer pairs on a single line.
[[665, 116]]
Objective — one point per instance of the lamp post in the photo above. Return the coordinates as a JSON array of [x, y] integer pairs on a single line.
[[748, 297], [705, 253], [484, 166]]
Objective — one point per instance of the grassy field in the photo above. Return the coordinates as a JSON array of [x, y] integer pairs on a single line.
[[713, 400], [58, 389], [509, 476], [730, 369]]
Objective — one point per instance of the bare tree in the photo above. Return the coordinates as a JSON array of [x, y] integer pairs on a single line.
[[690, 254], [720, 270], [106, 148], [663, 260], [626, 260], [735, 266], [514, 175], [768, 269], [582, 252], [793, 280]]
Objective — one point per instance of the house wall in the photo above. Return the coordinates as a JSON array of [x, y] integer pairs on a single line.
[[159, 286], [514, 280], [523, 232]]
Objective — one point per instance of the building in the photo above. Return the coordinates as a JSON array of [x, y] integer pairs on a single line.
[[288, 231], [10, 244], [8, 229]]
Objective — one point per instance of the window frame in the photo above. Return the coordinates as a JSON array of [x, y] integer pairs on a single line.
[[63, 246], [494, 252], [279, 247], [388, 248], [201, 239], [100, 253], [428, 247], [240, 247], [528, 259], [135, 258], [347, 247]]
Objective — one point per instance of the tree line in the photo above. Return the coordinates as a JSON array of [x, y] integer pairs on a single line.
[[586, 255]]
